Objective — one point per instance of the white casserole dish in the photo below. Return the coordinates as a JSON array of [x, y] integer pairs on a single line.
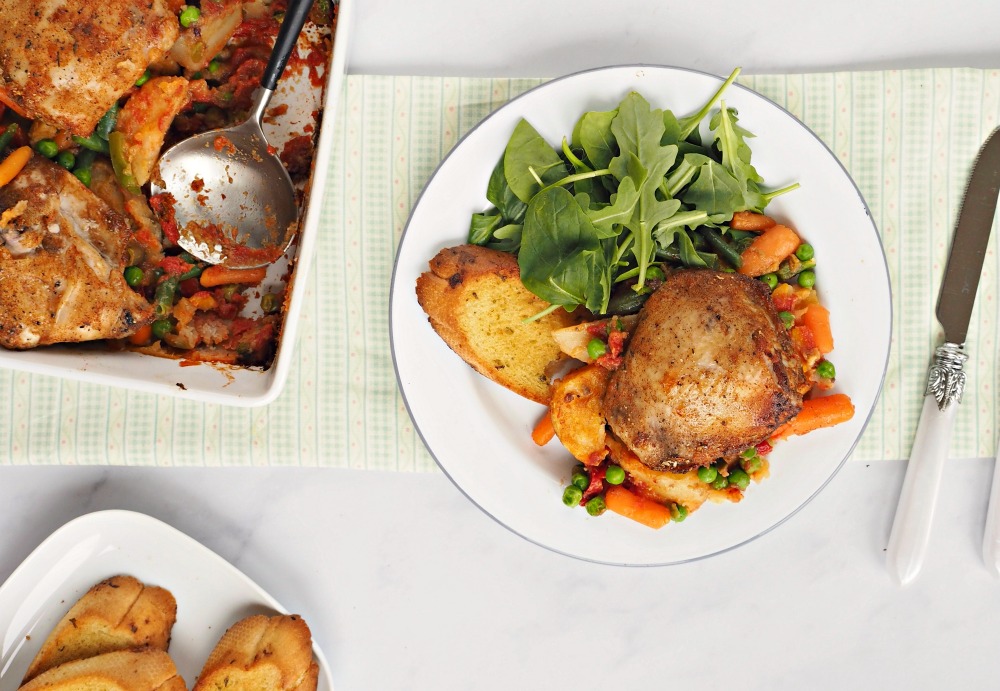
[[208, 382]]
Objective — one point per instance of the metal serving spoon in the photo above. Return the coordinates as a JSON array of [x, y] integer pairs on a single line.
[[233, 200]]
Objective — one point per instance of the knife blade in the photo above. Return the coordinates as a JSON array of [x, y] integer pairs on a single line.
[[946, 377]]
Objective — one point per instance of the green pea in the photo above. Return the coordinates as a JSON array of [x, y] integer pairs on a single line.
[[572, 495], [596, 348], [678, 512], [787, 318], [189, 15], [707, 474], [47, 148], [83, 175], [805, 252], [214, 66], [67, 159], [751, 465], [749, 453], [133, 275], [721, 482], [739, 478], [580, 480], [615, 475], [269, 303], [807, 279], [826, 370], [161, 327], [596, 506], [771, 280], [143, 78]]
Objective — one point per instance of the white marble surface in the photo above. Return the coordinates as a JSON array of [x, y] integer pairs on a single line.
[[407, 585]]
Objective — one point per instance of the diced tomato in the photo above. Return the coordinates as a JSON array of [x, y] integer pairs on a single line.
[[189, 287], [764, 448], [174, 266], [596, 485]]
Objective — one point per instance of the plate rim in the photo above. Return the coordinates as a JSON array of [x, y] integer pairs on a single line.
[[116, 519], [884, 266]]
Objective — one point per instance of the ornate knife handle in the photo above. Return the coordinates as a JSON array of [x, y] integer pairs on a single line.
[[946, 377]]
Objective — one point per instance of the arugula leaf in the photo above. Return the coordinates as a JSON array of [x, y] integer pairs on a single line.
[[645, 160], [563, 258], [715, 191], [731, 140], [529, 163]]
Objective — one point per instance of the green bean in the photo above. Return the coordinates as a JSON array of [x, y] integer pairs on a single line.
[[93, 143], [143, 78], [7, 135], [83, 175], [107, 123], [193, 272], [163, 299], [626, 301], [719, 244]]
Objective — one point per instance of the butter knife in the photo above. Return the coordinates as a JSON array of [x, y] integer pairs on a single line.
[[911, 526]]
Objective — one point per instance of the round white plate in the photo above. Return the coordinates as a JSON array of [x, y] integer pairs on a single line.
[[479, 433], [211, 593]]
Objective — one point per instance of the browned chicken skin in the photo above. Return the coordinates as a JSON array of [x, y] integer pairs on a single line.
[[708, 372], [67, 61], [62, 254]]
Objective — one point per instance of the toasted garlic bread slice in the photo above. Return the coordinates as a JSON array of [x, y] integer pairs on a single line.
[[263, 654], [116, 614], [476, 302], [122, 670]]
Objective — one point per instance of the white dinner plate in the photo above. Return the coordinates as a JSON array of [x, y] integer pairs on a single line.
[[211, 594], [479, 433]]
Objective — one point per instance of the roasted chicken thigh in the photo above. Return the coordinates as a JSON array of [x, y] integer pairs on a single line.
[[62, 254], [708, 372], [66, 62]]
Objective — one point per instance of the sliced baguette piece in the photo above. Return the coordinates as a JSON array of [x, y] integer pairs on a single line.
[[262, 653], [146, 669], [474, 299], [118, 613]]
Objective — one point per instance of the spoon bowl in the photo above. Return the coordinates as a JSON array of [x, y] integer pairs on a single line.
[[231, 197]]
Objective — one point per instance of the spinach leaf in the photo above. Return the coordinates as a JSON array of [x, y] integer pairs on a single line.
[[499, 193], [563, 258], [529, 163], [482, 226], [593, 134]]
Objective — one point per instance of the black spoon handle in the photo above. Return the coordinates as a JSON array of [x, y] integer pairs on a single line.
[[291, 27]]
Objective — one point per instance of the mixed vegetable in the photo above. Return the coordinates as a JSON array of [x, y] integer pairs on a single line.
[[205, 82]]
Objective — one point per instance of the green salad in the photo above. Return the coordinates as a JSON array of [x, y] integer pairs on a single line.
[[631, 187]]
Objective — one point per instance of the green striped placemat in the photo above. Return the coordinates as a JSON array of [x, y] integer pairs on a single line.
[[907, 137]]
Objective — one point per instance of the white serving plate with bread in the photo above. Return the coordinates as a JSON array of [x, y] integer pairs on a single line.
[[480, 433], [211, 594], [214, 383]]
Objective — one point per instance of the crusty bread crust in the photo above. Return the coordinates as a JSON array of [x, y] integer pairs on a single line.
[[474, 299], [122, 670], [262, 653], [118, 613]]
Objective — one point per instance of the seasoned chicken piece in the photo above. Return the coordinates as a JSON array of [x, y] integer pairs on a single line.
[[62, 254], [709, 371], [67, 61]]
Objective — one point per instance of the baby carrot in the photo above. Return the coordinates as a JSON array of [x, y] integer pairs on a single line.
[[750, 220], [768, 250], [220, 275], [13, 164], [817, 413], [544, 431], [626, 503]]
